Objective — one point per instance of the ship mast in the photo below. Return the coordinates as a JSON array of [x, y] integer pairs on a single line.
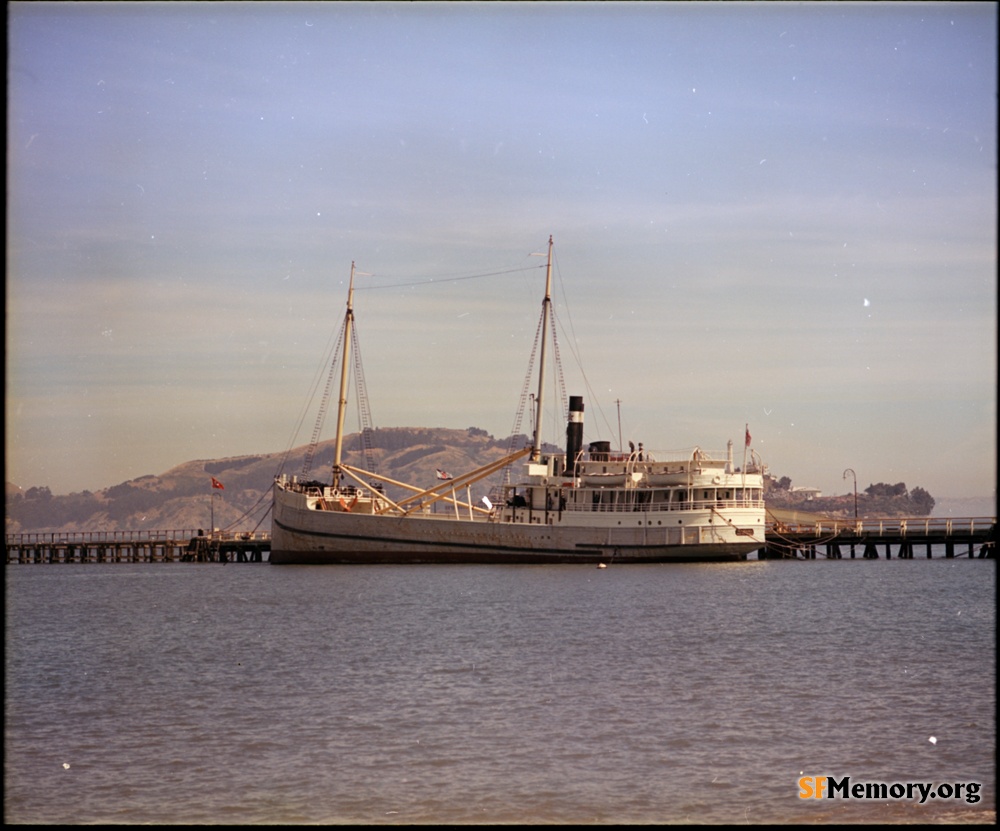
[[539, 402], [342, 401]]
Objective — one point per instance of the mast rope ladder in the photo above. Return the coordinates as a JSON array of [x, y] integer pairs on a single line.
[[323, 406], [364, 407], [519, 416], [564, 399], [504, 477]]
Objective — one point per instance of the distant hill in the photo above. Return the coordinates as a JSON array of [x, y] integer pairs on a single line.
[[181, 498]]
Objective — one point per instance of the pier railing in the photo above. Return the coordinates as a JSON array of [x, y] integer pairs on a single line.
[[894, 526], [802, 539], [128, 536]]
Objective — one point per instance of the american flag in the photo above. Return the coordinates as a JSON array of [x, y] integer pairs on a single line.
[[442, 474]]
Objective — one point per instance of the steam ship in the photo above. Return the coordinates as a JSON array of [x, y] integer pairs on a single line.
[[585, 504]]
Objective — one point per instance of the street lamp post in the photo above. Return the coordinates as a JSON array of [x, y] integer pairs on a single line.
[[855, 491]]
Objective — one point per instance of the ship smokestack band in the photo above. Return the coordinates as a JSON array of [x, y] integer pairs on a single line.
[[574, 432]]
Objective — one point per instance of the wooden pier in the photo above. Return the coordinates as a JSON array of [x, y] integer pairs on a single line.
[[182, 546], [904, 538]]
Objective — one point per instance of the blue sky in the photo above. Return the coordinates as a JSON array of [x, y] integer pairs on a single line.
[[782, 215]]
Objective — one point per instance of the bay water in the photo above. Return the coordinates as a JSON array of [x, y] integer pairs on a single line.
[[256, 694]]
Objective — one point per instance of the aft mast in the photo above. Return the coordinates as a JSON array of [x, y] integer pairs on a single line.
[[342, 401], [536, 449]]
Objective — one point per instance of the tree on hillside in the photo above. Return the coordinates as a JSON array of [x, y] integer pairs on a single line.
[[922, 501], [126, 499], [771, 484], [884, 490], [52, 511]]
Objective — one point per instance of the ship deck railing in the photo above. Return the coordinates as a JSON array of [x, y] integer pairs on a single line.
[[654, 457], [632, 507]]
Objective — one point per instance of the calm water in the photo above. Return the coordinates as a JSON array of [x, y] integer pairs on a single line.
[[196, 693]]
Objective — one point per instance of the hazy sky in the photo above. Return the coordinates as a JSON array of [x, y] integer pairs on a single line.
[[782, 215]]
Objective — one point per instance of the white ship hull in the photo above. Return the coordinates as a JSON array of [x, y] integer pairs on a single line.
[[305, 532]]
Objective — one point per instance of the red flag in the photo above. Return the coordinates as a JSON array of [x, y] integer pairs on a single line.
[[217, 484], [748, 436]]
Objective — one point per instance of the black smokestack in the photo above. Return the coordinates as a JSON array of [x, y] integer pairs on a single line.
[[574, 432]]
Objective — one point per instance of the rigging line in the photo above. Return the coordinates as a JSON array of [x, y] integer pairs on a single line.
[[231, 525], [332, 349], [261, 520], [591, 392], [264, 495], [321, 415], [571, 334], [363, 405], [503, 475], [560, 382], [433, 281], [795, 543]]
